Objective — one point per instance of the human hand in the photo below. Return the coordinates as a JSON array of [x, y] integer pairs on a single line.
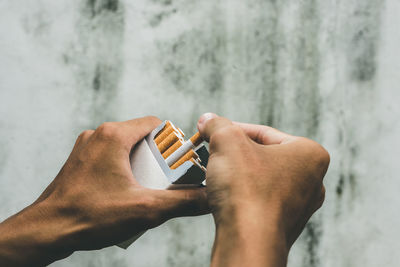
[[94, 201], [262, 186]]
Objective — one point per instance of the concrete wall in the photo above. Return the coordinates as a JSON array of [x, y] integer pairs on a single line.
[[328, 70]]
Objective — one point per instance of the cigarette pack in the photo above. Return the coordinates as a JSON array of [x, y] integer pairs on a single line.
[[152, 170]]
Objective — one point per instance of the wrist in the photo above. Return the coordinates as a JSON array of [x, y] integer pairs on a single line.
[[251, 236], [36, 235], [55, 227]]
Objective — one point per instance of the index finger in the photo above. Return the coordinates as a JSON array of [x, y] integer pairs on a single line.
[[137, 129], [265, 135]]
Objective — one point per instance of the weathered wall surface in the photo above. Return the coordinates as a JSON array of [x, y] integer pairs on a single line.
[[328, 70]]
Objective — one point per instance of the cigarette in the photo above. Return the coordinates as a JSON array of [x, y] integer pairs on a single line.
[[167, 124], [190, 154], [167, 142], [178, 132], [172, 149], [192, 143], [196, 139], [163, 133], [196, 162]]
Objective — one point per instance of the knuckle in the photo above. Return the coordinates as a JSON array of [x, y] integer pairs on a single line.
[[319, 155], [227, 133], [322, 197], [85, 134], [322, 157], [323, 192], [108, 130], [325, 157], [213, 121]]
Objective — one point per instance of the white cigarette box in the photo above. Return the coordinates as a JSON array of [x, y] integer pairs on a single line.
[[151, 170]]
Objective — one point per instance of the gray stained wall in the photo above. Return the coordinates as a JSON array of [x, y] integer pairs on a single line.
[[328, 70]]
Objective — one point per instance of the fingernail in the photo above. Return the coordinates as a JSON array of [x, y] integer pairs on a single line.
[[204, 118]]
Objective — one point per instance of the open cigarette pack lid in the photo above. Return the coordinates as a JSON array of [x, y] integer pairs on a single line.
[[164, 160]]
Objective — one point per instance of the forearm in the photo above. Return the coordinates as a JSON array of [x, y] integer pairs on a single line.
[[250, 241], [33, 237]]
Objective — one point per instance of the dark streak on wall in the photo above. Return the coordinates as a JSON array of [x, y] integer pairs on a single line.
[[313, 233], [347, 182], [194, 61], [307, 69], [96, 7], [96, 59], [366, 21], [364, 64], [163, 2], [97, 79], [264, 59], [190, 52], [159, 17], [340, 184], [363, 38]]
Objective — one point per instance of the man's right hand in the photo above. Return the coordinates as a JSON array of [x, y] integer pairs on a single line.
[[262, 186]]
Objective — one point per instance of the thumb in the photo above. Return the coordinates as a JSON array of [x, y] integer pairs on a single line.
[[180, 203], [209, 123]]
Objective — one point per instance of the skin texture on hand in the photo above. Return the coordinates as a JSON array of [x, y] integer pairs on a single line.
[[262, 187], [94, 201]]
